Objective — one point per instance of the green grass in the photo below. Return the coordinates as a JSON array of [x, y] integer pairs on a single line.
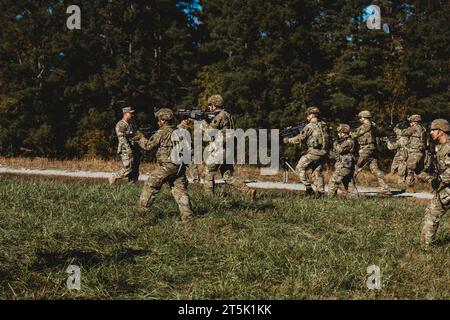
[[280, 247]]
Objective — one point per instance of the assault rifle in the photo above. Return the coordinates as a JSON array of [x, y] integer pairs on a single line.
[[195, 114], [294, 130], [147, 132]]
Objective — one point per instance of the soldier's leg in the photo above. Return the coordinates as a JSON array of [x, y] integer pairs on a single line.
[[317, 167], [194, 172], [377, 172], [438, 206], [210, 171], [334, 183], [127, 166], [152, 186], [178, 187], [412, 166], [227, 171], [402, 174], [134, 175], [302, 166]]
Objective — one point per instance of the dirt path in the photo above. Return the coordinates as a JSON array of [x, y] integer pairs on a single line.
[[254, 184]]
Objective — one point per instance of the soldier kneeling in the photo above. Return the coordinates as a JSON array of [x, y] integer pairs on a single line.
[[166, 171], [345, 163]]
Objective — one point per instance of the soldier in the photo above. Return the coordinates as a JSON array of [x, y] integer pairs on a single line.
[[416, 135], [193, 167], [316, 138], [344, 167], [398, 166], [166, 171], [128, 149], [366, 135], [439, 205], [222, 121]]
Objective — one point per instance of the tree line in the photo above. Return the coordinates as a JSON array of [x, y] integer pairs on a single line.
[[61, 91]]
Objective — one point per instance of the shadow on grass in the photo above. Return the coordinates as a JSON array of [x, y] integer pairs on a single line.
[[443, 242], [83, 258]]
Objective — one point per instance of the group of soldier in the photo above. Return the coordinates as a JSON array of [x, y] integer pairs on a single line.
[[352, 150]]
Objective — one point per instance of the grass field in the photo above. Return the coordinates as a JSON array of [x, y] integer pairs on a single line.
[[280, 247]]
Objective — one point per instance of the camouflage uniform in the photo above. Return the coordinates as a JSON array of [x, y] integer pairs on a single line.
[[398, 165], [441, 202], [345, 162], [166, 172], [129, 152], [222, 121], [366, 136], [416, 150], [193, 168], [315, 136]]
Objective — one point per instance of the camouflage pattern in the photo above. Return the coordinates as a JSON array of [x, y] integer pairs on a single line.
[[193, 169], [416, 146], [365, 114], [440, 124], [345, 165], [129, 152], [222, 121], [312, 110], [398, 166], [315, 138], [415, 118], [164, 114], [166, 172], [216, 100], [440, 204], [366, 138]]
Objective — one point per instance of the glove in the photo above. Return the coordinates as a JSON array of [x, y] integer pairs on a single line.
[[286, 140], [436, 183]]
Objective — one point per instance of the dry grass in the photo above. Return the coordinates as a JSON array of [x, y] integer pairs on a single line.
[[247, 172]]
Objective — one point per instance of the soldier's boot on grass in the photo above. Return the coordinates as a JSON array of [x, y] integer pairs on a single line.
[[309, 192], [112, 180]]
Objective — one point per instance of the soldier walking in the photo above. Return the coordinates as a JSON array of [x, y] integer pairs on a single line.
[[221, 122], [398, 166], [166, 171], [416, 135], [128, 149], [315, 137], [344, 167], [366, 135], [193, 168], [439, 205]]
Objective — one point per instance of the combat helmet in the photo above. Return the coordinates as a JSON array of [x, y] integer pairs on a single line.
[[164, 114], [312, 110], [215, 100], [440, 124], [343, 128], [415, 118], [365, 114]]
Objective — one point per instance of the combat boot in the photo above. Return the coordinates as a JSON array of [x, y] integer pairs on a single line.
[[112, 179], [251, 193], [309, 192]]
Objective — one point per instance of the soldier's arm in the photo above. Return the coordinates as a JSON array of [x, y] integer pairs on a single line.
[[445, 176], [345, 147], [150, 143], [301, 137], [120, 132], [408, 132], [362, 129]]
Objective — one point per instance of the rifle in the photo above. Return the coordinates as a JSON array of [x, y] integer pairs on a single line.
[[195, 114], [294, 130], [147, 132]]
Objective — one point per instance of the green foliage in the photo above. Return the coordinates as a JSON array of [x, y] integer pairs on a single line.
[[269, 59]]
